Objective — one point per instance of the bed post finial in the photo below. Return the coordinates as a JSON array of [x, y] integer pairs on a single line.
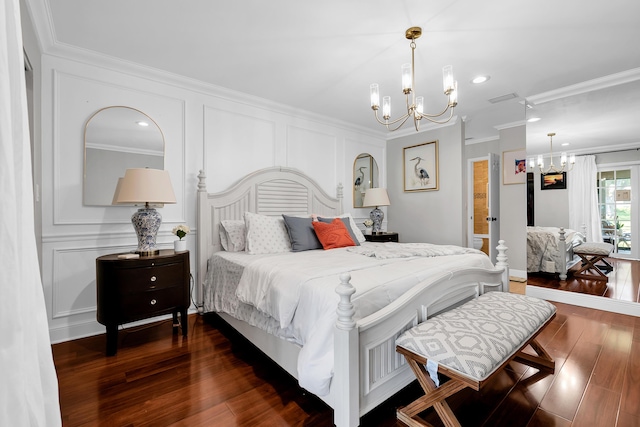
[[502, 262], [202, 182], [345, 307], [562, 248]]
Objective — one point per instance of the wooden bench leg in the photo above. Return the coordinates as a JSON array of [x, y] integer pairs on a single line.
[[433, 397], [590, 270]]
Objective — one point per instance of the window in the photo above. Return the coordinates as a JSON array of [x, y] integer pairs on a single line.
[[614, 204]]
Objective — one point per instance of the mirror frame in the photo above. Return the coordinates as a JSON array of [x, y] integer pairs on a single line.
[[108, 200], [374, 177]]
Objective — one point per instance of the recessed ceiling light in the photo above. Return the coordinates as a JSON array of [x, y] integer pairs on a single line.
[[533, 119], [480, 79], [564, 144], [141, 123]]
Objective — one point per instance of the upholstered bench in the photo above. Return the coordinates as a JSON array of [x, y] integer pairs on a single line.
[[469, 345], [594, 266]]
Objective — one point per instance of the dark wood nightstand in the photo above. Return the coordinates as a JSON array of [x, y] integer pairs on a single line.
[[139, 288], [382, 237]]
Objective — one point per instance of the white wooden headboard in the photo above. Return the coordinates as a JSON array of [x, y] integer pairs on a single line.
[[272, 191]]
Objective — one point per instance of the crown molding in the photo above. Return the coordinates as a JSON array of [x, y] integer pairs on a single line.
[[587, 86]]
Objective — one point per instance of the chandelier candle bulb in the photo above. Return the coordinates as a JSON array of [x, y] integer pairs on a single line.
[[447, 79], [540, 161], [453, 95], [572, 159], [563, 158], [386, 107], [420, 104], [406, 78], [375, 96]]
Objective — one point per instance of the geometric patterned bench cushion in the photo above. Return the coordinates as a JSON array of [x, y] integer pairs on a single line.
[[594, 248], [475, 338]]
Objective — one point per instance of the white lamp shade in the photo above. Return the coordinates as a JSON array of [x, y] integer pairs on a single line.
[[145, 186], [376, 197]]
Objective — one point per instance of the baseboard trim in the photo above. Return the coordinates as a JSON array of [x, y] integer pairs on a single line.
[[584, 300]]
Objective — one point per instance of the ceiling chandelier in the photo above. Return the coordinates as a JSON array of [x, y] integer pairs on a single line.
[[415, 104], [552, 168]]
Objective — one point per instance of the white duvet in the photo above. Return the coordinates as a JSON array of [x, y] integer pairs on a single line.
[[297, 292]]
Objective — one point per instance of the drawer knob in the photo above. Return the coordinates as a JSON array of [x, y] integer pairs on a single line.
[[153, 278], [153, 302]]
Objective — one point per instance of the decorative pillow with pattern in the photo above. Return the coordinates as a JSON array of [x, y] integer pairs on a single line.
[[347, 225], [265, 234], [333, 235], [232, 235]]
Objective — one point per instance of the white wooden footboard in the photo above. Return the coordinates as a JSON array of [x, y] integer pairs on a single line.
[[367, 369]]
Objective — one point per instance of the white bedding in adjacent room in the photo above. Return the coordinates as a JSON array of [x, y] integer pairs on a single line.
[[295, 297]]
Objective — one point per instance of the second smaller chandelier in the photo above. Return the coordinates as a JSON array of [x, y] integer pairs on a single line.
[[415, 104]]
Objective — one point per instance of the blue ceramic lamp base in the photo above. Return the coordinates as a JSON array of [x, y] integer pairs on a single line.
[[146, 222], [377, 216]]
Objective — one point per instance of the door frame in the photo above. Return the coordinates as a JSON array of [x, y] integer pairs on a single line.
[[493, 200], [634, 166]]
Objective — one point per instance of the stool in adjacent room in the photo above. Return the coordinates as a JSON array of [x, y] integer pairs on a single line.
[[594, 265], [470, 345]]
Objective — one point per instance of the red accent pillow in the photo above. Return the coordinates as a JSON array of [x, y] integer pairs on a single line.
[[333, 235]]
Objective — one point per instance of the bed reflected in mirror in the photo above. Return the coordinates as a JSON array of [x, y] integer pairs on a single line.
[[598, 123], [365, 176]]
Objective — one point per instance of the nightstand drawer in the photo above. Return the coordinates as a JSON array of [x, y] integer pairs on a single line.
[[143, 304], [131, 281]]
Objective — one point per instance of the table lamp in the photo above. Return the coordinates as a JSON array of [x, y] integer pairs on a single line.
[[376, 197], [148, 186]]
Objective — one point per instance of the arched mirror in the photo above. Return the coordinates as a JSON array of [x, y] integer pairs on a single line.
[[116, 139], [365, 175]]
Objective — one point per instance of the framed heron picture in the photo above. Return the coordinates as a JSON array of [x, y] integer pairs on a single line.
[[420, 166]]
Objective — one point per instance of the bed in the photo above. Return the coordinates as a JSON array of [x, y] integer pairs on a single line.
[[550, 249], [364, 369]]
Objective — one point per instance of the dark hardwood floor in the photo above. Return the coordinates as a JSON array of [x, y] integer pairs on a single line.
[[623, 283], [213, 378]]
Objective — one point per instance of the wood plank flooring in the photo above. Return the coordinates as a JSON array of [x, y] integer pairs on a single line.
[[623, 283], [214, 378]]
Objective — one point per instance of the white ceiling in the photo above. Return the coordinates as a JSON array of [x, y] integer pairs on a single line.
[[322, 56]]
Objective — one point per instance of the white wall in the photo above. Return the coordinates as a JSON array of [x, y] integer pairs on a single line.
[[429, 216], [226, 134], [513, 206]]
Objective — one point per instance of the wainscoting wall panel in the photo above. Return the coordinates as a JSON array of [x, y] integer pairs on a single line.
[[227, 134]]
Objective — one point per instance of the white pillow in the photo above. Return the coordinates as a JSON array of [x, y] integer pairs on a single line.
[[232, 235], [266, 234]]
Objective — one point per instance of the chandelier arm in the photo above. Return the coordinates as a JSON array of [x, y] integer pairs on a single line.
[[405, 117], [440, 122], [426, 116], [387, 123]]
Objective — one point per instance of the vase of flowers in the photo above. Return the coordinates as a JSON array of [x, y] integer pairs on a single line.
[[180, 231], [368, 223]]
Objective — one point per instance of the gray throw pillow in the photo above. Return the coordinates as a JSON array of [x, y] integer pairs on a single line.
[[301, 234]]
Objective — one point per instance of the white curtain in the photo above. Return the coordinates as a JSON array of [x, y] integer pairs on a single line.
[[28, 383], [583, 198]]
